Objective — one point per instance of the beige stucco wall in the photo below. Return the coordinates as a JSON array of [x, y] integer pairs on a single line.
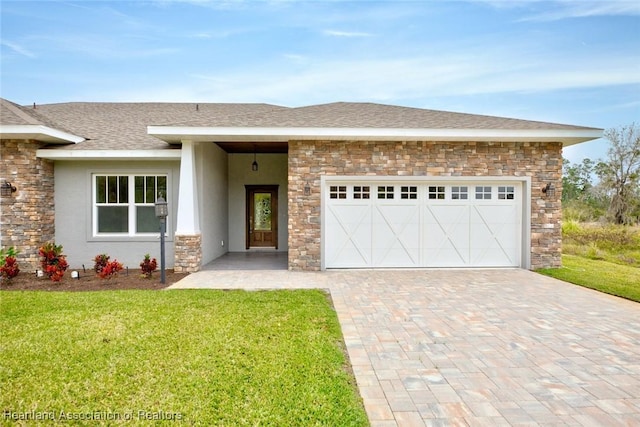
[[309, 160], [26, 216]]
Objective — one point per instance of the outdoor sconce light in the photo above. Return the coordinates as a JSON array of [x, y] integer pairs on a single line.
[[6, 189], [254, 165], [549, 190], [307, 189], [162, 211]]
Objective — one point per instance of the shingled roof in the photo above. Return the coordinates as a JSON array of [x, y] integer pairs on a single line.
[[125, 126], [368, 115]]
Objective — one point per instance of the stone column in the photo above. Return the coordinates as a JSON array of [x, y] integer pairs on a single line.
[[27, 217], [188, 238]]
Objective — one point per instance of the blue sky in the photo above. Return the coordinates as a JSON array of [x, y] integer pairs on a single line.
[[575, 62]]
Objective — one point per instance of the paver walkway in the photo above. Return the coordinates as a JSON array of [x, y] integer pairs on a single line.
[[476, 347]]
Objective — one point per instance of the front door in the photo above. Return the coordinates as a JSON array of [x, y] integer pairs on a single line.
[[262, 216]]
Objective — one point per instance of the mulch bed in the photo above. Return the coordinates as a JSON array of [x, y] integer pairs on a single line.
[[89, 281]]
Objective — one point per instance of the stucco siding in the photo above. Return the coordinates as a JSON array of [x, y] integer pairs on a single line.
[[213, 188], [74, 211], [272, 171]]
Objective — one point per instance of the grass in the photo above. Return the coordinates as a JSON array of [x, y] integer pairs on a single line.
[[204, 357], [613, 243], [604, 276], [605, 258]]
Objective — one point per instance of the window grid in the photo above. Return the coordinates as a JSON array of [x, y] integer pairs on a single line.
[[385, 192], [506, 193], [116, 213], [409, 192], [459, 193], [338, 192], [483, 192], [361, 192], [436, 192]]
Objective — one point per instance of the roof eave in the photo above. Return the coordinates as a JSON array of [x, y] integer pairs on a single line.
[[176, 134], [120, 155], [38, 133]]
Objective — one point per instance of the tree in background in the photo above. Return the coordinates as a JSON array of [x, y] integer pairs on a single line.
[[620, 173], [576, 179], [582, 200]]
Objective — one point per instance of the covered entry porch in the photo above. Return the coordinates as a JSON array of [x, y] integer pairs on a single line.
[[250, 260], [219, 183]]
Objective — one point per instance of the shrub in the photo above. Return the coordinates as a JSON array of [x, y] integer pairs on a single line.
[[570, 227], [110, 269], [8, 263], [148, 266], [100, 262], [53, 262]]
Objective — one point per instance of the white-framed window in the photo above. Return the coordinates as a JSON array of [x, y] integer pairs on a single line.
[[123, 204], [361, 192], [409, 192], [436, 192], [385, 192], [483, 192], [459, 192], [506, 193], [338, 192]]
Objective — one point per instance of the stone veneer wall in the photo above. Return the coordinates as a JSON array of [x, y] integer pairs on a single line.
[[188, 253], [309, 160], [27, 218]]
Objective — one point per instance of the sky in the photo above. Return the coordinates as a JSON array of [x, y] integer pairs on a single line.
[[566, 61]]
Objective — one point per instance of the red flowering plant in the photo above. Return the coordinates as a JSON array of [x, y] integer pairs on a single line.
[[8, 263], [148, 266], [99, 262], [110, 269], [53, 262]]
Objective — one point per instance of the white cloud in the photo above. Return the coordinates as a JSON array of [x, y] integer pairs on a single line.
[[569, 9], [585, 9], [387, 80], [17, 48], [337, 33]]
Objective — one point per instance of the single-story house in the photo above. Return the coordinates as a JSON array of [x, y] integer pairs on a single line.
[[339, 185]]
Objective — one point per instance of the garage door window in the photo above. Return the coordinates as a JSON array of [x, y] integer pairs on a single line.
[[459, 193], [361, 192], [338, 192], [506, 193], [436, 193], [409, 192], [483, 193], [385, 192]]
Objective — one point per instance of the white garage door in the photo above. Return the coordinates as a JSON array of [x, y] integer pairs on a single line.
[[430, 224]]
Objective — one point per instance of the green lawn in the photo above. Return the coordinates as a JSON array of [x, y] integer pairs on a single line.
[[205, 357], [612, 278]]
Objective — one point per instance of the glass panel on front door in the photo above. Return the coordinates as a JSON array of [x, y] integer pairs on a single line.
[[262, 211]]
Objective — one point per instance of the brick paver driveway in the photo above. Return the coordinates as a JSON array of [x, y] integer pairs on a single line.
[[476, 347]]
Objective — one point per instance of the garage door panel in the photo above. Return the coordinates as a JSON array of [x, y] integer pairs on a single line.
[[395, 241], [446, 235], [493, 235], [348, 236]]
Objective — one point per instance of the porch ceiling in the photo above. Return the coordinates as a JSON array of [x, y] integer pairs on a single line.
[[255, 147]]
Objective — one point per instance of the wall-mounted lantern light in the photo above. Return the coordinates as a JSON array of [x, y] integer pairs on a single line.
[[307, 189], [162, 211], [549, 190], [6, 189]]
